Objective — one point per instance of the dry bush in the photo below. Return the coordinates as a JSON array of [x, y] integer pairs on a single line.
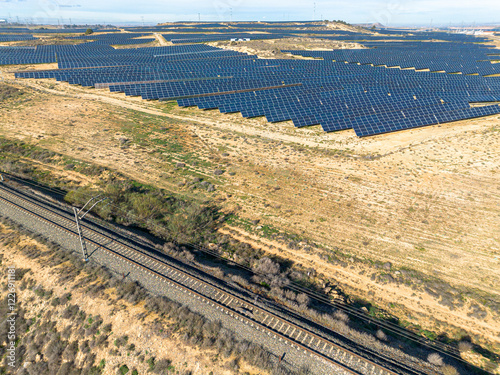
[[340, 315], [239, 280], [381, 335], [66, 368], [279, 281], [277, 292], [162, 366], [266, 266], [491, 366], [289, 294], [449, 370], [31, 352], [7, 92], [101, 340], [435, 359], [217, 272], [107, 328], [304, 370], [84, 346], [187, 256], [464, 346], [169, 247], [303, 299], [69, 353], [130, 291], [120, 341], [70, 312]]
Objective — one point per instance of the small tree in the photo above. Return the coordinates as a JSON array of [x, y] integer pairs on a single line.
[[89, 31]]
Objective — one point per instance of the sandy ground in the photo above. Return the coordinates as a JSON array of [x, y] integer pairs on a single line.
[[424, 199], [271, 49]]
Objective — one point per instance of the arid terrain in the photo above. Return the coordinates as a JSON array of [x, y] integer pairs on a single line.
[[103, 330], [407, 221]]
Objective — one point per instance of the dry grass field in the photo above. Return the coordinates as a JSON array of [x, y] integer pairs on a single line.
[[408, 221]]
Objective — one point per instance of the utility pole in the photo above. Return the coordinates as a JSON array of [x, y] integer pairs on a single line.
[[314, 17], [78, 227], [231, 14], [199, 17], [82, 240]]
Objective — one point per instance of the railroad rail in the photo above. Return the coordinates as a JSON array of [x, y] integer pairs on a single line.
[[346, 356]]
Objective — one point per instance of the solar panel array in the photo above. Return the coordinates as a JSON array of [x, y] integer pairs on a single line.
[[15, 38], [334, 94], [435, 56], [24, 30]]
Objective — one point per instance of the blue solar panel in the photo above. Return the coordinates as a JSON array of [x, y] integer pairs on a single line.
[[339, 89]]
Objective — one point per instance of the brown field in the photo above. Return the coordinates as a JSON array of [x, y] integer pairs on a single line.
[[425, 200]]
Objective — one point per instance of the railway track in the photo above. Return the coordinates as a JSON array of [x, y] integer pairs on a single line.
[[344, 355]]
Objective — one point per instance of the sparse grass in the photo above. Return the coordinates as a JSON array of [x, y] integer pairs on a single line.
[[9, 92]]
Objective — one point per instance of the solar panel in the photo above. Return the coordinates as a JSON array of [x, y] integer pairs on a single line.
[[339, 89]]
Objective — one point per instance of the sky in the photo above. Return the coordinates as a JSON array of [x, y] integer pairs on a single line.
[[386, 12]]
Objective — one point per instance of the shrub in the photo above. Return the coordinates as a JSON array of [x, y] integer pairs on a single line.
[[266, 266], [120, 341], [342, 316], [435, 359], [302, 299], [101, 340], [289, 294], [449, 370], [279, 281], [89, 31], [239, 280], [107, 328], [162, 366], [464, 346], [381, 335], [151, 363], [123, 369], [491, 366], [84, 346], [69, 353], [193, 223]]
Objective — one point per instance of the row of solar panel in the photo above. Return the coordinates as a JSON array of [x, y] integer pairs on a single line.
[[450, 57], [335, 95]]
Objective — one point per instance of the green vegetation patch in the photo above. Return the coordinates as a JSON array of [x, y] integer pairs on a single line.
[[9, 92]]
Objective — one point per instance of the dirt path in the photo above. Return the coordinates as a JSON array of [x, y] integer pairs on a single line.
[[161, 40]]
